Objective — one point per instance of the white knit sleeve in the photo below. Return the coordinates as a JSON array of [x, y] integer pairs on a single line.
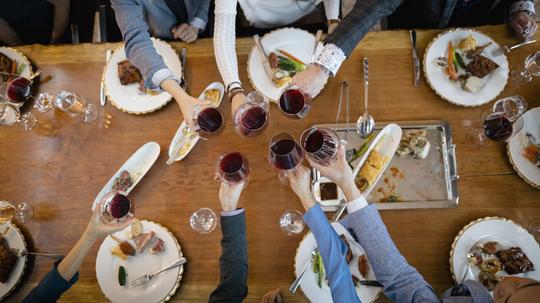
[[225, 41], [331, 8]]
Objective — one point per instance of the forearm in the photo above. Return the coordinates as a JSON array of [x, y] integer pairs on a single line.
[[61, 17], [331, 9], [69, 266], [173, 88], [7, 35], [225, 41]]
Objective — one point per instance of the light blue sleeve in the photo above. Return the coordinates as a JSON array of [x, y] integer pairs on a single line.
[[402, 282], [333, 252]]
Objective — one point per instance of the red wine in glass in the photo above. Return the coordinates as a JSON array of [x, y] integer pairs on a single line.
[[320, 144], [252, 121], [498, 127], [208, 120], [233, 168], [18, 89], [294, 103], [285, 154], [115, 207]]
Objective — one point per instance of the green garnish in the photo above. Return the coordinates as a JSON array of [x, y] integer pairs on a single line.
[[122, 276], [289, 65], [363, 148], [20, 69], [459, 60]]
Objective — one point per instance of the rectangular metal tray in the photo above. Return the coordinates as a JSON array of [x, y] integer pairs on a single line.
[[419, 183]]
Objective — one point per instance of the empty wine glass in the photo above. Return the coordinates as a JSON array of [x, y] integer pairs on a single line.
[[203, 221], [233, 168], [21, 211], [534, 229], [115, 208], [292, 222], [10, 115], [285, 155], [207, 121], [294, 103], [320, 144], [530, 69], [76, 106], [251, 117]]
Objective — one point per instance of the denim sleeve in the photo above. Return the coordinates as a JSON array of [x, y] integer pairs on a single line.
[[51, 287], [139, 48], [401, 281], [333, 252]]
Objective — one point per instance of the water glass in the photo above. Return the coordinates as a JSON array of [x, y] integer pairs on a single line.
[[292, 222], [203, 221]]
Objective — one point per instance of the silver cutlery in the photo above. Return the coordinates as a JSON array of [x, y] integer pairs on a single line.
[[102, 95], [371, 283], [365, 123], [339, 212], [36, 74], [344, 90], [318, 37], [183, 58], [296, 283], [416, 61], [146, 278], [505, 49], [266, 64], [469, 255], [24, 253]]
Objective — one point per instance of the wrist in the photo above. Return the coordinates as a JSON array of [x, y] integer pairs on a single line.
[[308, 202], [89, 236], [350, 190], [229, 207]]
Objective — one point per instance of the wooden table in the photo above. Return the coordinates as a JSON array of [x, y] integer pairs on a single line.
[[61, 172]]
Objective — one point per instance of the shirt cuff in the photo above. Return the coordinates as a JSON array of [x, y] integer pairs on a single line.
[[198, 23], [232, 212], [331, 58], [527, 6], [162, 75], [356, 204], [316, 220]]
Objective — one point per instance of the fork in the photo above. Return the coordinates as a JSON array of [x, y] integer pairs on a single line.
[[24, 253], [296, 283], [146, 278], [183, 57]]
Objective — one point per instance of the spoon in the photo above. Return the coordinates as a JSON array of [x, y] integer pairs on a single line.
[[505, 49], [365, 123], [344, 88]]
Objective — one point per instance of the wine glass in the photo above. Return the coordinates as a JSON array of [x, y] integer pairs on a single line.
[[115, 208], [208, 121], [291, 222], [294, 103], [320, 144], [203, 221], [251, 117], [21, 211], [16, 90], [76, 106], [524, 74], [233, 168], [534, 229], [285, 155], [10, 115]]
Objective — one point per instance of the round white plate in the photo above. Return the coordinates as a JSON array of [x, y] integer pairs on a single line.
[[451, 90], [296, 41], [15, 239], [17, 56], [309, 283], [159, 289], [504, 231], [525, 169], [127, 98]]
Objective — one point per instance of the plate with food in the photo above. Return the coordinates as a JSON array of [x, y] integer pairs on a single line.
[[124, 83], [132, 171], [184, 139], [142, 248], [13, 62], [289, 51], [524, 148], [459, 65], [490, 248], [315, 285], [11, 267]]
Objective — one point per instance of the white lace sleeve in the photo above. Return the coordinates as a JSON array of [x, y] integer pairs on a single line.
[[225, 41], [331, 8]]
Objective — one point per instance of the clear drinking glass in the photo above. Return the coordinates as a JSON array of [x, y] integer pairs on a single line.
[[208, 121], [16, 90], [294, 103], [203, 221], [10, 115], [285, 155], [233, 168], [115, 208], [292, 222], [251, 117], [320, 144], [530, 69], [534, 229], [76, 106], [21, 211]]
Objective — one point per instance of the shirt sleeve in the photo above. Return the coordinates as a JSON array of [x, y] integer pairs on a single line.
[[225, 41], [201, 18], [333, 252], [331, 9], [51, 287], [232, 212], [356, 204]]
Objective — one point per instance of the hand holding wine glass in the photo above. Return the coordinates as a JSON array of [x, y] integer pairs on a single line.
[[229, 195], [300, 181], [96, 228]]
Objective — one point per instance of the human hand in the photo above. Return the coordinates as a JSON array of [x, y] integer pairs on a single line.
[[311, 81], [273, 296], [229, 194], [236, 102], [300, 182], [97, 229], [185, 32], [523, 25]]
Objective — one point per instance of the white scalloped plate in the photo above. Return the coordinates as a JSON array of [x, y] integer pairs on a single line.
[[15, 239]]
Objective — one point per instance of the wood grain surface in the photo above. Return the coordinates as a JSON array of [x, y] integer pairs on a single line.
[[61, 166]]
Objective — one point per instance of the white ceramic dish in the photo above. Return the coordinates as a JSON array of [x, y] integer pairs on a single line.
[[127, 98], [309, 283], [159, 289], [296, 41], [182, 141], [525, 169], [19, 57], [15, 239], [137, 165], [504, 231], [451, 90]]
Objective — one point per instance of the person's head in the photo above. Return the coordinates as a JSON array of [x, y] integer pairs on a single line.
[[517, 290]]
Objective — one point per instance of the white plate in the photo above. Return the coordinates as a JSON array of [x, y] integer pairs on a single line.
[[451, 90], [15, 239], [127, 97], [296, 41], [525, 169], [180, 135], [137, 165], [504, 231], [159, 289], [309, 283], [17, 56]]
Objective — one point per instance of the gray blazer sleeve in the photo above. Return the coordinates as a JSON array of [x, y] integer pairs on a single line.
[[204, 8], [402, 283], [234, 261], [359, 21]]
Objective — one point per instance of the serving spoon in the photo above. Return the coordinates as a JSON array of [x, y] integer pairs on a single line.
[[365, 123]]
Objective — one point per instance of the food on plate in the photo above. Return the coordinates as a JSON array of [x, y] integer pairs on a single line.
[[212, 95], [467, 44], [490, 247], [116, 251], [363, 266], [7, 259], [136, 228], [515, 261], [128, 73], [414, 143], [157, 246], [318, 268], [122, 276], [481, 66], [491, 265], [473, 84], [488, 279], [362, 149], [142, 240], [476, 51], [370, 170], [123, 182], [390, 198], [284, 66], [126, 248], [6, 67], [349, 255], [530, 148], [328, 191]]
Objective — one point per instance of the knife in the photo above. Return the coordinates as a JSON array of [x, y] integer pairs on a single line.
[[183, 58], [102, 95], [416, 61], [267, 67], [371, 283]]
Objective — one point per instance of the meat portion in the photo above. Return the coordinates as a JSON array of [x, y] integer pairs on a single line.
[[6, 66], [490, 247], [515, 261], [143, 239], [488, 279], [363, 266], [7, 261], [349, 255], [128, 73], [481, 66], [123, 182]]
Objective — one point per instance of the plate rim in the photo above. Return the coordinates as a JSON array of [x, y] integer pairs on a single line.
[[27, 61], [4, 296], [431, 85]]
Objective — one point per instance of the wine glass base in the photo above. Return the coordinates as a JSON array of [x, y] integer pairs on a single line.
[[91, 112], [284, 179]]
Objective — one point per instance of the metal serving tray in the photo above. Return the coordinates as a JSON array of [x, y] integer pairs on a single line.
[[418, 183]]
